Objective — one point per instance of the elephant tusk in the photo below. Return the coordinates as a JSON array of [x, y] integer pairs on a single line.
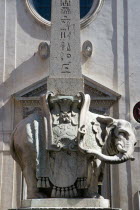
[[121, 149], [116, 159]]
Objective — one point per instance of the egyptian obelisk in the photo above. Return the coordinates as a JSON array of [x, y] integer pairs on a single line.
[[65, 76]]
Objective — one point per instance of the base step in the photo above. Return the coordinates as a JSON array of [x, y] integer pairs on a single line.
[[66, 204]]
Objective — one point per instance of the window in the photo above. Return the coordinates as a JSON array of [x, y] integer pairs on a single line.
[[41, 9], [85, 7]]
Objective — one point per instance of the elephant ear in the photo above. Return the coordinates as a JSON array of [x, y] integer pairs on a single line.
[[105, 120], [102, 128], [98, 132]]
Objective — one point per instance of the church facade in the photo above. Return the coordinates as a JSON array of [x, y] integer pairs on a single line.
[[110, 30]]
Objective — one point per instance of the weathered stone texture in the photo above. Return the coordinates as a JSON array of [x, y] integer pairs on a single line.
[[66, 203], [66, 209], [65, 61]]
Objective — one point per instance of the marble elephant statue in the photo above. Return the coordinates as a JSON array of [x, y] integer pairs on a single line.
[[112, 142], [62, 151]]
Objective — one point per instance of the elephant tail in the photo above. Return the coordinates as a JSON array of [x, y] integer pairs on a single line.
[[12, 147], [13, 150]]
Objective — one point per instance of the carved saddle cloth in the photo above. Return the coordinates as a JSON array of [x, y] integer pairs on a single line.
[[58, 156]]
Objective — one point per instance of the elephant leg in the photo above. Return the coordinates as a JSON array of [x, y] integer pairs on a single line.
[[93, 171], [30, 176]]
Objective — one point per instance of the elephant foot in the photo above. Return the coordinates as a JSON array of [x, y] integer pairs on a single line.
[[97, 195], [36, 195], [93, 195]]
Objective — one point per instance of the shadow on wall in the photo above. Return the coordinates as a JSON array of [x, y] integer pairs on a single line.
[[32, 69], [27, 73], [29, 24]]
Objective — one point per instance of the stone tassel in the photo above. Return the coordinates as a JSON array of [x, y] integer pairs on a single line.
[[43, 182], [75, 192], [82, 183], [66, 192], [85, 182], [39, 183], [62, 193], [70, 192], [79, 183], [58, 194], [47, 183], [53, 194]]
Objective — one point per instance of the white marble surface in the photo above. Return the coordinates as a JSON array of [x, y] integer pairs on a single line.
[[66, 203]]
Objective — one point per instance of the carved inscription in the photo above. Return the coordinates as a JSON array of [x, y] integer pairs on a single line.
[[65, 3], [65, 36], [65, 75]]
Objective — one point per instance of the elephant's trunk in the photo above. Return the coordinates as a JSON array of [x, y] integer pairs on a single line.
[[116, 159]]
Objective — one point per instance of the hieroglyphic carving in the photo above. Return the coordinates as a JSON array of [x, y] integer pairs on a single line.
[[65, 34], [65, 75]]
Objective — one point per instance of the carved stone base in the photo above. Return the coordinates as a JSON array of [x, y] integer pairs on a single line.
[[65, 204]]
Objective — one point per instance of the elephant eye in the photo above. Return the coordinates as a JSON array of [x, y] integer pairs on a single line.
[[124, 134], [135, 143]]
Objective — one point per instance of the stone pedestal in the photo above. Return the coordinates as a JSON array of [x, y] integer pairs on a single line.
[[40, 208], [65, 204]]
